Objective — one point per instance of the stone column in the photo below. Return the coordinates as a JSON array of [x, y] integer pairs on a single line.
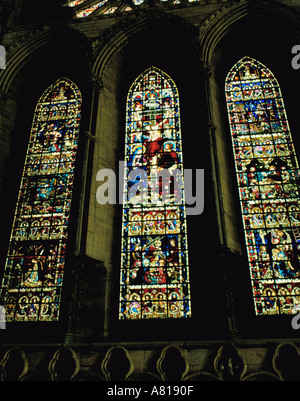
[[87, 278], [226, 256]]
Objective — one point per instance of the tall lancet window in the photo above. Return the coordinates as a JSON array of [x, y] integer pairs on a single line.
[[154, 262], [33, 276], [267, 175]]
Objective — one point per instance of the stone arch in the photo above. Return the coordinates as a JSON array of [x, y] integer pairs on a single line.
[[14, 365], [220, 22], [23, 51], [124, 32], [222, 45]]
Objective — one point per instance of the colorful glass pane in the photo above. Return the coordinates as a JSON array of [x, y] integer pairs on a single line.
[[33, 275], [154, 259], [267, 175], [88, 11], [94, 7]]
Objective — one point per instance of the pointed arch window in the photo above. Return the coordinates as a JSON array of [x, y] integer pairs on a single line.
[[154, 262], [34, 269], [267, 174]]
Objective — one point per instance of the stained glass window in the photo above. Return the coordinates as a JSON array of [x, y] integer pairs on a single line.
[[154, 259], [267, 175], [85, 8], [34, 269]]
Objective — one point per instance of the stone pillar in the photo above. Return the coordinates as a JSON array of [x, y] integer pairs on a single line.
[[87, 276], [226, 256], [86, 312], [87, 167]]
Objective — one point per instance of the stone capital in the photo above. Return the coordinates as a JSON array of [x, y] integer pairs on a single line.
[[97, 82]]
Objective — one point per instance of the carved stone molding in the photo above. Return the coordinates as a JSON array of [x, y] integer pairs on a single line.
[[286, 362], [211, 124], [206, 69], [117, 364], [97, 82], [147, 362], [172, 364], [14, 365], [64, 365], [90, 136], [229, 364]]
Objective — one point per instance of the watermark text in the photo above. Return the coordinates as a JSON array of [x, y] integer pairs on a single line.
[[2, 58], [161, 186]]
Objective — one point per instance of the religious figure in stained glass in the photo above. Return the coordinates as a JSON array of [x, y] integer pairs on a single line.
[[267, 175], [33, 275], [154, 259]]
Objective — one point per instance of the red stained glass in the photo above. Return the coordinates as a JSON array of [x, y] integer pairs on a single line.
[[33, 275], [154, 279], [267, 176]]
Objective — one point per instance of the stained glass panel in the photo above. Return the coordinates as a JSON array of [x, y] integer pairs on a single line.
[[86, 8], [34, 269], [267, 175], [154, 259]]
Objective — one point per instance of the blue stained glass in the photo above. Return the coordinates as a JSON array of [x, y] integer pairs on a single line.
[[34, 269], [267, 175], [154, 279]]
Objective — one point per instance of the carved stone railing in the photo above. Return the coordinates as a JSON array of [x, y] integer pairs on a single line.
[[252, 361]]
